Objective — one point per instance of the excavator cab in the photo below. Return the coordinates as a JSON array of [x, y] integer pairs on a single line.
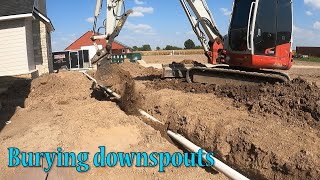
[[260, 34]]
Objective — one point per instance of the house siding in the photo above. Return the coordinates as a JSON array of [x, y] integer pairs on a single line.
[[13, 48], [30, 49]]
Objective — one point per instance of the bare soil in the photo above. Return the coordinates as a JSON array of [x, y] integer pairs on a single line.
[[264, 131], [249, 126], [295, 102], [60, 112]]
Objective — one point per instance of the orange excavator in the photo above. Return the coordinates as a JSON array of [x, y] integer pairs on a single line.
[[258, 43]]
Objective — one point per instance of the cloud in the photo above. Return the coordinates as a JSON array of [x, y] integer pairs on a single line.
[[225, 11], [313, 3], [138, 2], [305, 37], [144, 29], [316, 25], [309, 13], [135, 27], [137, 14], [90, 19], [141, 11]]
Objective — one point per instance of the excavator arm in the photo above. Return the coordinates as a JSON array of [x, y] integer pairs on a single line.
[[203, 24], [197, 11], [112, 25]]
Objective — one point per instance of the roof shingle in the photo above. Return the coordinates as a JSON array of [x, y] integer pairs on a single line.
[[85, 40], [15, 7]]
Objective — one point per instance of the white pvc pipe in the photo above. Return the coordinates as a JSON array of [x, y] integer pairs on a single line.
[[108, 90], [142, 112], [91, 78], [218, 165]]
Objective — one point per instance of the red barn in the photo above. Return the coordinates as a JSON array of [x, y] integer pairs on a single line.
[[85, 43]]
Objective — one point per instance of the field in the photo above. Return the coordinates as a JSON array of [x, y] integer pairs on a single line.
[[172, 52], [309, 59], [264, 131]]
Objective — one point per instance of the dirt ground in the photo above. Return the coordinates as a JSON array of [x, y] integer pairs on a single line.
[[265, 131]]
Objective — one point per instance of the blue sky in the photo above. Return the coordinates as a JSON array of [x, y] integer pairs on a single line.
[[163, 22]]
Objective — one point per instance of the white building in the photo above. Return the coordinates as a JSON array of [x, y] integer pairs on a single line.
[[25, 38]]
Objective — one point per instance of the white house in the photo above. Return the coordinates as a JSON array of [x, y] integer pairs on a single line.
[[25, 38]]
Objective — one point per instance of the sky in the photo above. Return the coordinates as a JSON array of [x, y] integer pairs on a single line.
[[163, 22]]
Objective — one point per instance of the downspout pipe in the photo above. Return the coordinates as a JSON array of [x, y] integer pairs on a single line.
[[218, 165]]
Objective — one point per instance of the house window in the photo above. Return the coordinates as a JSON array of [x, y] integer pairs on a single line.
[[123, 51]]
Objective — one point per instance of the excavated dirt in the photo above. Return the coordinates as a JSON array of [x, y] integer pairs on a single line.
[[57, 110], [296, 102], [264, 131], [120, 81]]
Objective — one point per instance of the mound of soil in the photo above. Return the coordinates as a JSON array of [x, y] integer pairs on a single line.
[[139, 72], [296, 102], [120, 81], [259, 147], [292, 101]]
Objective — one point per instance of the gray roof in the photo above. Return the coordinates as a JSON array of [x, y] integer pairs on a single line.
[[15, 7]]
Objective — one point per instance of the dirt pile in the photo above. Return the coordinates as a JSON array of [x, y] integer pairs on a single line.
[[120, 81], [61, 113], [259, 147], [292, 101], [139, 72], [297, 101], [61, 88]]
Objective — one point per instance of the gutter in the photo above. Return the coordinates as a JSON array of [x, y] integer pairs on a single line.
[[19, 16], [34, 14], [46, 20]]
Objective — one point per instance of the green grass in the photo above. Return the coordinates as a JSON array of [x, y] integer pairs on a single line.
[[310, 59]]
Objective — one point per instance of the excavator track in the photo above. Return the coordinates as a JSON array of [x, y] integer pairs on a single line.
[[222, 75]]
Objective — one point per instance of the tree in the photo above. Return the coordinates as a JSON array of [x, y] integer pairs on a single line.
[[146, 47], [189, 44], [169, 47], [158, 48], [135, 48]]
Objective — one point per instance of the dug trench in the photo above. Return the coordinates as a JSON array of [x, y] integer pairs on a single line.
[[265, 131], [57, 110]]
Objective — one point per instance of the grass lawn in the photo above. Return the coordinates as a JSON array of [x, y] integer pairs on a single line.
[[310, 59]]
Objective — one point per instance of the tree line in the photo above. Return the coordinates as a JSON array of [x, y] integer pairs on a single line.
[[188, 44]]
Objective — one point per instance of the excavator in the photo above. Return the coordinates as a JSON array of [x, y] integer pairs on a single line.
[[257, 46]]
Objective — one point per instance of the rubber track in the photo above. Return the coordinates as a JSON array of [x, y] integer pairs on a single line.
[[258, 76]]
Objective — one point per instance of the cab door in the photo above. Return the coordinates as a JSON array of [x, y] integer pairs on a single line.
[[265, 28], [240, 26], [272, 26]]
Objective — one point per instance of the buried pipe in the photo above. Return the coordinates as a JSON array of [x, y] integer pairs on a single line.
[[109, 91], [142, 112], [218, 165]]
